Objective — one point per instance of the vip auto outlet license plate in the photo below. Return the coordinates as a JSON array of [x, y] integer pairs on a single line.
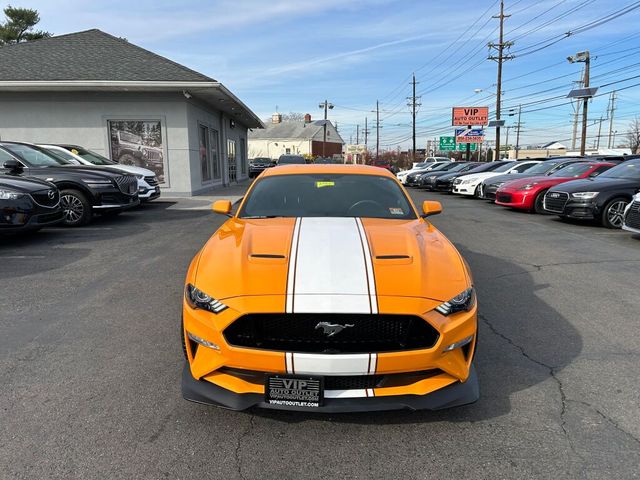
[[294, 391]]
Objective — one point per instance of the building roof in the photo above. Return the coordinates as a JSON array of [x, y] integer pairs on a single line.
[[554, 145], [93, 60], [293, 130], [89, 55]]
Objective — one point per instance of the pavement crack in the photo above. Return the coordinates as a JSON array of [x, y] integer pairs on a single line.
[[241, 437], [552, 373], [608, 419]]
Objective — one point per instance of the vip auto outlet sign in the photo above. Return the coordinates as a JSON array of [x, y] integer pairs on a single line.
[[463, 116]]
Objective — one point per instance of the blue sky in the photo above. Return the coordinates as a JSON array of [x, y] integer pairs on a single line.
[[295, 53]]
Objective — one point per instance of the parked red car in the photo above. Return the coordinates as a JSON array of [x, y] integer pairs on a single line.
[[528, 193]]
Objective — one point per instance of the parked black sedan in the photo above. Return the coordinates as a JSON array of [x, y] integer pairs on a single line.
[[258, 165], [83, 189], [603, 198], [489, 187], [27, 204], [429, 180]]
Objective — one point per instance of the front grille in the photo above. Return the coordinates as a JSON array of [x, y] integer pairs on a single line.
[[503, 197], [353, 382], [152, 180], [50, 217], [127, 184], [301, 332], [555, 201], [632, 219], [46, 198]]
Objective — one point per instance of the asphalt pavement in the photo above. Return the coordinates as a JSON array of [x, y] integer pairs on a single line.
[[90, 361]]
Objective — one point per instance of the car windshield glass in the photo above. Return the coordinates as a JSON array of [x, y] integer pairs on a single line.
[[485, 167], [505, 167], [421, 165], [629, 169], [542, 168], [572, 170], [64, 155], [284, 159], [438, 166], [261, 160], [327, 195], [455, 167], [34, 157], [92, 157]]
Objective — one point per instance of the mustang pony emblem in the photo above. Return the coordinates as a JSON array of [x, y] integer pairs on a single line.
[[330, 329]]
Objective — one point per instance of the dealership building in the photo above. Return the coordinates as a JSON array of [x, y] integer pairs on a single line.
[[103, 93]]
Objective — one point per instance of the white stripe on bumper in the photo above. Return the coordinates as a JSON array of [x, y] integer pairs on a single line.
[[319, 364]]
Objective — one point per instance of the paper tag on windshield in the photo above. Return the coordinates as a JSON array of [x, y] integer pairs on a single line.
[[396, 211], [325, 184]]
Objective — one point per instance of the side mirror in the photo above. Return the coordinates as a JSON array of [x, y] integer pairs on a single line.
[[13, 166], [431, 208], [223, 207]]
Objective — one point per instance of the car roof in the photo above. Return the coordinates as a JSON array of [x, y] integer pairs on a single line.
[[338, 168]]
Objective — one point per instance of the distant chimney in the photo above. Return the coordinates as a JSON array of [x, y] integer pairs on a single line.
[[307, 118], [276, 118]]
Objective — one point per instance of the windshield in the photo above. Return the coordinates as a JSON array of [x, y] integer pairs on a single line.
[[64, 155], [629, 169], [572, 170], [261, 160], [421, 165], [542, 168], [455, 167], [327, 195], [284, 159], [34, 157], [93, 157], [505, 167]]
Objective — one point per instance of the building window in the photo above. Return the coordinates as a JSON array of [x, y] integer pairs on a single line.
[[231, 156], [288, 151], [203, 148], [215, 158], [243, 155]]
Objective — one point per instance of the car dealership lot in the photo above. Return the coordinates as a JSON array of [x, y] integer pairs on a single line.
[[90, 361]]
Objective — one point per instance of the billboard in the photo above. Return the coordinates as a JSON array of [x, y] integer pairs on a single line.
[[139, 143], [469, 135], [464, 116]]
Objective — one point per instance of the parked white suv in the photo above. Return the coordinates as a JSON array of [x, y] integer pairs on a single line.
[[468, 184], [148, 185]]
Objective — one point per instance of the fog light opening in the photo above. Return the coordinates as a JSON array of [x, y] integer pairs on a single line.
[[202, 341], [461, 343]]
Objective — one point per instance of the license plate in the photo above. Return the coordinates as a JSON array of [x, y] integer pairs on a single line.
[[294, 391]]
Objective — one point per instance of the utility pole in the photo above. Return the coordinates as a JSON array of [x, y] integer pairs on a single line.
[[377, 129], [413, 104], [327, 106], [585, 105], [599, 131], [518, 126], [500, 58], [357, 134], [366, 134], [612, 107]]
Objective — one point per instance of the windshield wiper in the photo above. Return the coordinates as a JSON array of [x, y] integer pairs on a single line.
[[253, 217]]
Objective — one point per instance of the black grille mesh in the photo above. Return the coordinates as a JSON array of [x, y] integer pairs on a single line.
[[632, 218], [556, 204], [300, 332]]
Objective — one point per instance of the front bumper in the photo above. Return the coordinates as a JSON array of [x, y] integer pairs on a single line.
[[147, 194], [453, 395], [579, 210], [519, 199], [14, 221]]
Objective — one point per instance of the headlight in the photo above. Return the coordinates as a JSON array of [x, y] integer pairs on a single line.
[[93, 181], [139, 177], [585, 195], [465, 181], [10, 195], [528, 186], [198, 299], [462, 302]]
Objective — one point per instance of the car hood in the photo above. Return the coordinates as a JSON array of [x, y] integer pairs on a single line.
[[330, 261], [507, 177], [23, 184], [540, 181], [84, 171], [145, 172], [599, 184]]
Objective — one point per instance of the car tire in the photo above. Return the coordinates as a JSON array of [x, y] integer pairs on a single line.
[[476, 192], [538, 203], [613, 212], [77, 209]]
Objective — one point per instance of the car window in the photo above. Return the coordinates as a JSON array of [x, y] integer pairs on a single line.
[[524, 167], [92, 157], [572, 170], [4, 156], [327, 195], [64, 155], [291, 159], [542, 167], [629, 169], [600, 170], [34, 157]]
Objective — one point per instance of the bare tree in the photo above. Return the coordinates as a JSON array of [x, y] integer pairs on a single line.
[[633, 135]]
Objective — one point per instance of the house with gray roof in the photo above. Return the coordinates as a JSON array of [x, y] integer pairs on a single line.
[[104, 93], [295, 138]]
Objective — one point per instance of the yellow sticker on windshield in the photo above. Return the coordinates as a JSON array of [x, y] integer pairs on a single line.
[[325, 184], [74, 151]]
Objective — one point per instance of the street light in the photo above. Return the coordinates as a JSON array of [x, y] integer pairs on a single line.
[[582, 57], [327, 106]]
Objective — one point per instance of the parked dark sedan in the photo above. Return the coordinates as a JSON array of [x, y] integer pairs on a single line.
[[444, 183], [428, 181], [489, 187], [83, 189], [258, 165], [27, 204], [420, 177], [603, 198]]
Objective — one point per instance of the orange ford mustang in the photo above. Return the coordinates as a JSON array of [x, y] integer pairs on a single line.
[[327, 291]]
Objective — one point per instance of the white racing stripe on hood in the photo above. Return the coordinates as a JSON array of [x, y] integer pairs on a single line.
[[330, 268]]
